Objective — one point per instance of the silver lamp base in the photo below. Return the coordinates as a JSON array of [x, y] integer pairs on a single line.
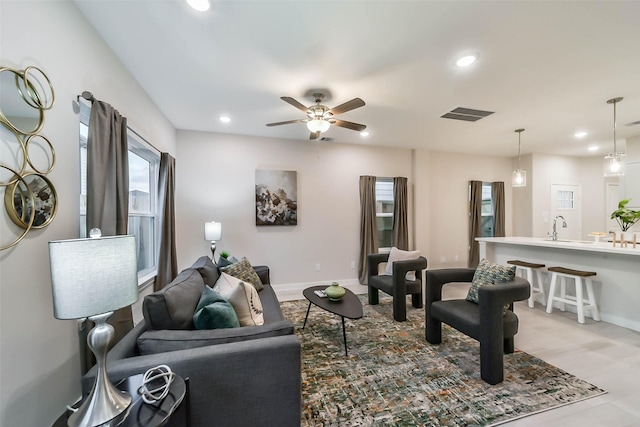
[[105, 401]]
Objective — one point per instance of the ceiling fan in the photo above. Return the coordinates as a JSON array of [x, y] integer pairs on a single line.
[[320, 118]]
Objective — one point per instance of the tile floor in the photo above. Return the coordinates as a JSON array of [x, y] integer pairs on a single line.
[[603, 354]]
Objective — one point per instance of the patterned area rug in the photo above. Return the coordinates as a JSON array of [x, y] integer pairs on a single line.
[[393, 377]]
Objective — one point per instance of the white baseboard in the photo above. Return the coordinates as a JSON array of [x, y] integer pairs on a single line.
[[293, 291]]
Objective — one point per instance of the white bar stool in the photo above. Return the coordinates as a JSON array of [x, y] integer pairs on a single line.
[[578, 301], [537, 289]]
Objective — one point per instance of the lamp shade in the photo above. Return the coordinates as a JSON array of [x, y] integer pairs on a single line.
[[212, 231], [614, 164], [93, 276]]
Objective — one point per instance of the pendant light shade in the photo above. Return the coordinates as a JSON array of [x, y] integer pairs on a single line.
[[614, 162], [519, 176]]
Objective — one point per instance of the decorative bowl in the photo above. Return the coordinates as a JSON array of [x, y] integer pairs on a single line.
[[335, 292]]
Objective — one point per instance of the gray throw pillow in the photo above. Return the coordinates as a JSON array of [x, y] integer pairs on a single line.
[[489, 273]]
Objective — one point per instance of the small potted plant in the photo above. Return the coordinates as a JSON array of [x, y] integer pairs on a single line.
[[625, 216], [223, 261]]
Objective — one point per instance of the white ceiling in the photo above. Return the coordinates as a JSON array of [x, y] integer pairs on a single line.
[[548, 67]]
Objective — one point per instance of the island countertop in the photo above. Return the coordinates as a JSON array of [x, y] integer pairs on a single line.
[[617, 280], [578, 245]]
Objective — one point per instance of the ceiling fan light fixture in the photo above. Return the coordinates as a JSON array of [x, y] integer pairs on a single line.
[[466, 60], [318, 124], [519, 176], [199, 5], [614, 162]]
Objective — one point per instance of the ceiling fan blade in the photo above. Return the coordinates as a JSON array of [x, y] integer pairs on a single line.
[[295, 103], [347, 106], [348, 125], [314, 135], [287, 122]]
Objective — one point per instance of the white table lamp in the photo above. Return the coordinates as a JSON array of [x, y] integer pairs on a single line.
[[92, 278], [213, 233]]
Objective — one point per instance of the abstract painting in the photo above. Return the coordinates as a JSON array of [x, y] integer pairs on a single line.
[[276, 197]]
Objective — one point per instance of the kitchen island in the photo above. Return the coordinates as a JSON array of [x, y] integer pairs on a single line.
[[616, 286]]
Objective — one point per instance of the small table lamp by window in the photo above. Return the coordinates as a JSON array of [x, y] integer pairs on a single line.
[[213, 233], [92, 278]]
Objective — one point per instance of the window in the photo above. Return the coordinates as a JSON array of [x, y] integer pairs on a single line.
[[487, 211], [144, 163], [384, 212], [565, 200]]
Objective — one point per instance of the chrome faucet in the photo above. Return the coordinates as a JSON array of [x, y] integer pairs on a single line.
[[554, 235]]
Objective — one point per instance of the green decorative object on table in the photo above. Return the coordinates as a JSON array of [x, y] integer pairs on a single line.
[[335, 292]]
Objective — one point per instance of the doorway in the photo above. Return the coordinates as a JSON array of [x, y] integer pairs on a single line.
[[566, 200]]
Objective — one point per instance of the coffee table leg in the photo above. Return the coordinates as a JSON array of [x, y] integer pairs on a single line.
[[305, 317], [344, 335]]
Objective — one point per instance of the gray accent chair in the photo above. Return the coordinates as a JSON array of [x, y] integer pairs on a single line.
[[486, 322], [396, 285]]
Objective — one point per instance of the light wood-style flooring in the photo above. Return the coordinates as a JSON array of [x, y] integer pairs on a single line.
[[603, 354]]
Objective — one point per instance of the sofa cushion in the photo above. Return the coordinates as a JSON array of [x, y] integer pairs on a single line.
[[152, 342], [489, 273], [400, 255], [214, 312], [245, 272], [207, 270], [173, 306], [243, 297]]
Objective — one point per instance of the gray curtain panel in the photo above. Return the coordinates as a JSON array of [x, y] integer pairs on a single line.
[[368, 224], [497, 196], [400, 229], [108, 189], [167, 260], [475, 222]]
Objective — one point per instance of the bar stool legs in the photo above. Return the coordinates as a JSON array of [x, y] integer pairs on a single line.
[[578, 301], [537, 287]]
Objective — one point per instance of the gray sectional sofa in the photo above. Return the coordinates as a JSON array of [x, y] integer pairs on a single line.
[[237, 377]]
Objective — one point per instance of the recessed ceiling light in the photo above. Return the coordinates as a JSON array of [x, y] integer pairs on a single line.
[[467, 60], [199, 5], [364, 133], [581, 134], [593, 148], [225, 119]]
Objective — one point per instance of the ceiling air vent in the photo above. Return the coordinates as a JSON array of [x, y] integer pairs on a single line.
[[466, 114], [326, 139]]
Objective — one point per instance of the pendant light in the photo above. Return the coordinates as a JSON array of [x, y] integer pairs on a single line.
[[519, 176], [614, 162]]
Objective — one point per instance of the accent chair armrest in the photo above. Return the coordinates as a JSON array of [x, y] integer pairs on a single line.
[[400, 268], [373, 262], [436, 279], [494, 297]]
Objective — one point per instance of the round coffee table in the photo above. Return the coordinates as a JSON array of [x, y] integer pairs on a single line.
[[349, 306]]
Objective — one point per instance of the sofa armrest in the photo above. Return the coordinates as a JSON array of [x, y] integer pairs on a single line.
[[255, 382], [127, 346], [263, 273]]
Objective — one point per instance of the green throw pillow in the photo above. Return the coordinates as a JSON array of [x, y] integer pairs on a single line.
[[489, 273], [214, 312], [245, 272]]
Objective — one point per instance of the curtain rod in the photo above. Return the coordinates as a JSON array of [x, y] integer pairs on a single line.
[[89, 97]]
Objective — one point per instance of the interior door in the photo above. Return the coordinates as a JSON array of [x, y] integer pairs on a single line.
[[566, 200]]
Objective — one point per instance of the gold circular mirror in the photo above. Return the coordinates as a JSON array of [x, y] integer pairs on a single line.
[[32, 196], [13, 153], [19, 102]]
